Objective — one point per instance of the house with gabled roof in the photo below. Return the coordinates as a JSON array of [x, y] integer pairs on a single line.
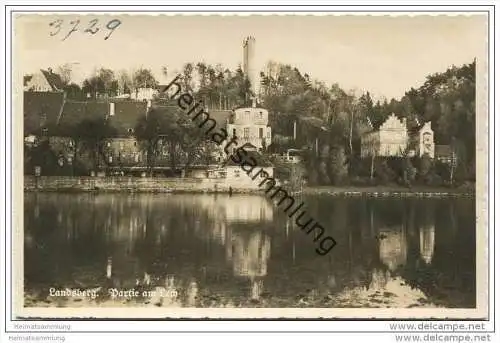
[[389, 139], [43, 81], [394, 138]]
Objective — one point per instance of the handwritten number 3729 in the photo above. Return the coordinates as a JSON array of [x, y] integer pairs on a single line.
[[92, 27]]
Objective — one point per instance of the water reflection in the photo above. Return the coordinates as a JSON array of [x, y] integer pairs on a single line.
[[240, 251]]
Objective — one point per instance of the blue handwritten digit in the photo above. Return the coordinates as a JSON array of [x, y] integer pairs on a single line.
[[57, 24], [92, 29], [112, 25], [73, 29]]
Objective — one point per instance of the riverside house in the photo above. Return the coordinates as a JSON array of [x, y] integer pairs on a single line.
[[393, 139]]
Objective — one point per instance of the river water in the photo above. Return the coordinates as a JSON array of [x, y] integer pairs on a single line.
[[242, 251]]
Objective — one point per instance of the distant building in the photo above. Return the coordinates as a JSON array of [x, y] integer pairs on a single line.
[[390, 139], [43, 81], [422, 140], [142, 94], [235, 175], [394, 139], [250, 125], [445, 154]]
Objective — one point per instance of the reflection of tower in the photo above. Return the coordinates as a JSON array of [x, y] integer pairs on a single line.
[[427, 243], [249, 63]]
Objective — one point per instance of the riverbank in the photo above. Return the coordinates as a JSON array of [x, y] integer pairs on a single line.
[[192, 185], [394, 191]]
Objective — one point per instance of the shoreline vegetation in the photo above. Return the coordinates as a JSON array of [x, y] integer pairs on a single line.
[[177, 186]]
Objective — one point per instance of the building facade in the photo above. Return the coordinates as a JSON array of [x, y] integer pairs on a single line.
[[393, 139], [390, 139], [250, 125], [43, 81], [422, 141]]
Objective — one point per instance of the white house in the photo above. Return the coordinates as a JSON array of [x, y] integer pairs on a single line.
[[250, 125], [422, 140], [393, 138], [390, 139]]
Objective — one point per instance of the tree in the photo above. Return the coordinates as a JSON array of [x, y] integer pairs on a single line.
[[425, 169], [143, 78], [149, 131], [124, 82], [409, 171], [65, 71], [74, 92], [93, 135], [103, 82], [338, 166]]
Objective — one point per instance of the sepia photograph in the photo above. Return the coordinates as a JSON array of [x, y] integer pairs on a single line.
[[250, 166]]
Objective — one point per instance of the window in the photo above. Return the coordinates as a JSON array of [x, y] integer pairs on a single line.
[[110, 159], [130, 130], [261, 115], [246, 132], [237, 173], [109, 144], [135, 143], [247, 115], [261, 132], [234, 132]]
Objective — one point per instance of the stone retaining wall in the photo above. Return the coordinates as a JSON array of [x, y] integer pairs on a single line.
[[132, 184]]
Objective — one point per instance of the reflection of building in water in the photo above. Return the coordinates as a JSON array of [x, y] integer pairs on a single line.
[[393, 247], [427, 242], [250, 253], [253, 208], [225, 210], [379, 279]]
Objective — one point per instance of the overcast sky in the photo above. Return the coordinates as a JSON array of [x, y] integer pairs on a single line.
[[380, 54]]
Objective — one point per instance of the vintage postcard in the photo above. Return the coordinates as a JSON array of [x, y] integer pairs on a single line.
[[328, 165]]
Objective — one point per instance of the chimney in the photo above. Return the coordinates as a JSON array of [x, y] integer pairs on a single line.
[[254, 103], [111, 109], [49, 70]]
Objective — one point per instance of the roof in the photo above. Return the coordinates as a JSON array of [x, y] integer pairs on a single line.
[[443, 151], [76, 111], [40, 105], [249, 146], [262, 160], [53, 79], [127, 113], [415, 128], [221, 117]]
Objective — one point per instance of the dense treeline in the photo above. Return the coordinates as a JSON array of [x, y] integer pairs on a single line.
[[329, 121]]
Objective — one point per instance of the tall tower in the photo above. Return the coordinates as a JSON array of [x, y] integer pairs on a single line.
[[249, 68]]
